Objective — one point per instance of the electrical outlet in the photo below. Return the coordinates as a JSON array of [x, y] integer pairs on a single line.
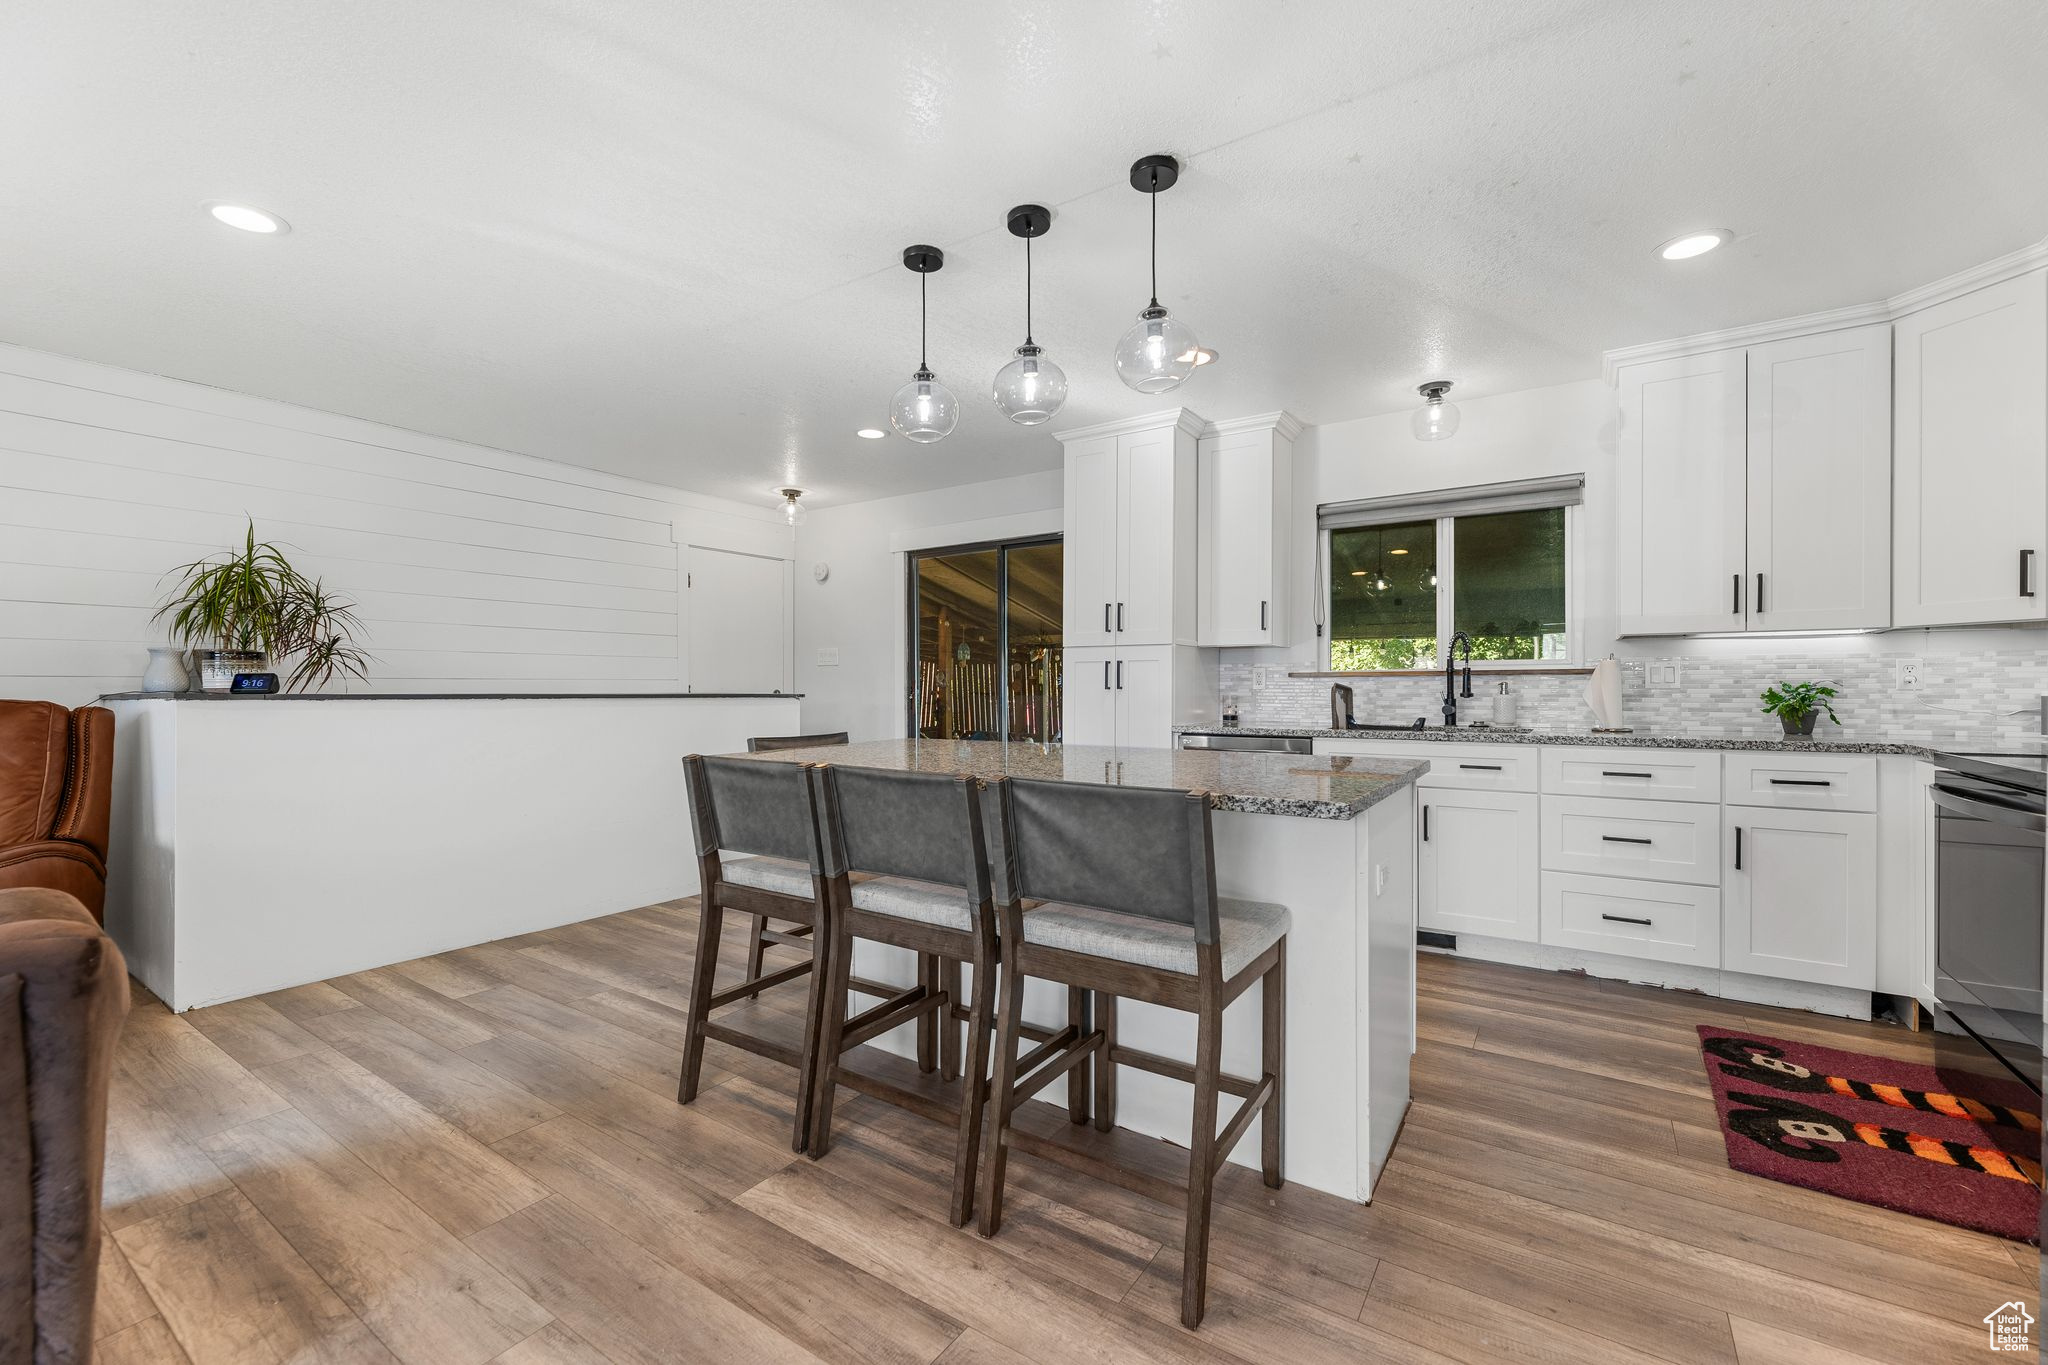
[[828, 658], [1906, 675], [1661, 674]]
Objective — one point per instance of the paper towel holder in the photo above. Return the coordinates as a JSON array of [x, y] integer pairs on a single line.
[[1612, 729]]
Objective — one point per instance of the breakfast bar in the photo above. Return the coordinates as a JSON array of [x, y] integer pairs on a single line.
[[1330, 837]]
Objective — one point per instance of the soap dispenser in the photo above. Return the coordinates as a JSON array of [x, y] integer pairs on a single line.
[[1505, 704]]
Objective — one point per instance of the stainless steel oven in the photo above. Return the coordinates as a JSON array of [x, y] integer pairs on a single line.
[[1991, 830]]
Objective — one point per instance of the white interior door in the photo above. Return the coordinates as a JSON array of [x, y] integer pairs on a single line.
[[1476, 871], [1090, 560], [1820, 488], [739, 622], [1679, 513], [1800, 899], [1971, 468]]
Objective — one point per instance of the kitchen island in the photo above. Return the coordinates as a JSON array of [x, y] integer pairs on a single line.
[[1331, 838]]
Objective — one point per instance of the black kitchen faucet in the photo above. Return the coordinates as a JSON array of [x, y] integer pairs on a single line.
[[1451, 692]]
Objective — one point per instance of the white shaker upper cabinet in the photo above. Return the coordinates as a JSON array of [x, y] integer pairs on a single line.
[[1246, 502], [1090, 594], [1130, 533], [1970, 493], [1680, 514], [1820, 412]]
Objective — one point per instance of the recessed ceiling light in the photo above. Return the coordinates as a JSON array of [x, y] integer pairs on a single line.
[[1694, 244], [1397, 552], [869, 434], [247, 219], [1358, 573]]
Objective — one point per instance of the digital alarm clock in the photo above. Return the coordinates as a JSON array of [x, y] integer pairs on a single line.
[[253, 685]]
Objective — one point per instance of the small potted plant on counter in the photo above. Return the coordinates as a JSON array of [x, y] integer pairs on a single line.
[[243, 608], [1798, 705]]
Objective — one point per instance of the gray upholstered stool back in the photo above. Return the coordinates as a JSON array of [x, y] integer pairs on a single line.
[[923, 826], [763, 743], [740, 805], [1141, 851]]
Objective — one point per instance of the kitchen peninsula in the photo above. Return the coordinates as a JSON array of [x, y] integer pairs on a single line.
[[265, 842], [1330, 837]]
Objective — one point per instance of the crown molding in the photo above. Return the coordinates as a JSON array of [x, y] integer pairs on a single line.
[[1835, 319], [1284, 423], [1186, 419]]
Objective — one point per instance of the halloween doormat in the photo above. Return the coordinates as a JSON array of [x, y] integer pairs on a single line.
[[1944, 1144]]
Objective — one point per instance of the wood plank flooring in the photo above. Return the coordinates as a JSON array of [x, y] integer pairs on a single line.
[[478, 1158]]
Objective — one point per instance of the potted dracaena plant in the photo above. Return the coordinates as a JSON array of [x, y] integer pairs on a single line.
[[243, 608], [1798, 705]]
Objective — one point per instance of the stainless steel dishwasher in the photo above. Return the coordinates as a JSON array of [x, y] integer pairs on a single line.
[[1258, 744]]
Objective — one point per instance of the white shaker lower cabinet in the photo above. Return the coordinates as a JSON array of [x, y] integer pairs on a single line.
[[1476, 867], [1799, 895], [1661, 921], [1126, 696]]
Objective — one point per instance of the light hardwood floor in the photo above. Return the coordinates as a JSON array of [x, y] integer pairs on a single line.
[[479, 1157]]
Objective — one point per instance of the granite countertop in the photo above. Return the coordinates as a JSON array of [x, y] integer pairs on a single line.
[[1332, 787], [442, 696], [1732, 739]]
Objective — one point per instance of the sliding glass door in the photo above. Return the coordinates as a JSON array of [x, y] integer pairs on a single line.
[[985, 642]]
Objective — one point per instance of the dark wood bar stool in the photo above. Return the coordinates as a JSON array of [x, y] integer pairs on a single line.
[[1127, 877], [760, 932], [757, 853], [915, 841]]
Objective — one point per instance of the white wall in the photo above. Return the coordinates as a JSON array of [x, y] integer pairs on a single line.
[[862, 609], [474, 569]]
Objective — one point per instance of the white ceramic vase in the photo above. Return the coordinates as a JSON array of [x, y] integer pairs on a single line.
[[166, 671]]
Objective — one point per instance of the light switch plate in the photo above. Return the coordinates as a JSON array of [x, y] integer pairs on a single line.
[[828, 658], [1661, 673]]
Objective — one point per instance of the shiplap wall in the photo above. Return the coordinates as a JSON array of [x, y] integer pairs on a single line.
[[475, 570]]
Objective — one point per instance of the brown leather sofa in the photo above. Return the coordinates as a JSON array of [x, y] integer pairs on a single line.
[[63, 995], [56, 788]]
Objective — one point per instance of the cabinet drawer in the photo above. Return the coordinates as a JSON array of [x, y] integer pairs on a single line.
[[1803, 781], [1662, 921], [1670, 841], [1460, 767], [1636, 774]]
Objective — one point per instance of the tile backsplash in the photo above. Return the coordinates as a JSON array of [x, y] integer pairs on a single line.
[[1989, 694]]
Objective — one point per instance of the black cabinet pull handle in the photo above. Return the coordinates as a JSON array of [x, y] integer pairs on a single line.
[[1425, 824], [1119, 675], [1801, 782], [1759, 594], [1622, 839], [2026, 578], [1105, 675], [1605, 772], [1105, 618], [1119, 617], [1624, 919], [1737, 608], [1482, 767], [1738, 848], [1262, 616]]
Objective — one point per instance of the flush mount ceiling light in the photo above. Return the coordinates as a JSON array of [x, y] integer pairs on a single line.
[[246, 218], [870, 433], [924, 410], [787, 504], [1201, 356], [1161, 351], [1029, 389], [1435, 419], [1694, 244]]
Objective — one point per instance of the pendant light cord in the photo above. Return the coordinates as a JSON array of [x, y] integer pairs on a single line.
[[920, 322], [1027, 293], [1155, 236]]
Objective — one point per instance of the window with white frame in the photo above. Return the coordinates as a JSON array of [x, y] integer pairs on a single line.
[[1407, 573]]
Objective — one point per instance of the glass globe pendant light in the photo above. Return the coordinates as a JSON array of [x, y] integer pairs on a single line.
[[1435, 419], [787, 504], [1029, 389], [924, 410], [1161, 351]]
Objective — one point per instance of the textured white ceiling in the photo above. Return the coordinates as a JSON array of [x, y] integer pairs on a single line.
[[662, 239]]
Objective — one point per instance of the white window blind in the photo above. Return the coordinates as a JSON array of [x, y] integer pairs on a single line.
[[1519, 495]]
